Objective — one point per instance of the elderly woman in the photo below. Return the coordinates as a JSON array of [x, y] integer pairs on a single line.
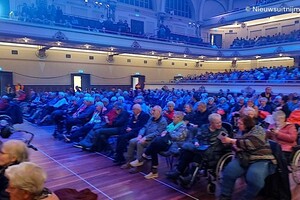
[[260, 160], [283, 133], [170, 140], [204, 145], [29, 186], [250, 104], [169, 112], [12, 152]]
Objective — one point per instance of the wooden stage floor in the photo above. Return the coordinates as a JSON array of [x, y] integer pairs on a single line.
[[70, 167]]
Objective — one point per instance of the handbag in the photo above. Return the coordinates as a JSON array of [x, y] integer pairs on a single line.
[[243, 158]]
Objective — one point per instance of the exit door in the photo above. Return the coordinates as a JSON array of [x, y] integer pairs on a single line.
[[80, 80]]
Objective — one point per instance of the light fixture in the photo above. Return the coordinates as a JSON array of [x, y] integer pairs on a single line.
[[58, 43], [184, 55], [235, 59], [152, 52], [218, 58], [87, 46], [257, 56], [280, 54], [169, 54], [111, 49], [26, 39]]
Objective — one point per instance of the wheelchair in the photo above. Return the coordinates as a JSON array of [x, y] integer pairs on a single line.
[[213, 173], [8, 132]]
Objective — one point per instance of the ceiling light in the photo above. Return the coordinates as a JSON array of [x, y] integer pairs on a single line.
[[25, 39], [218, 58]]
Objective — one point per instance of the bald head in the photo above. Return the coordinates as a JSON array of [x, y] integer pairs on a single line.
[[136, 109]]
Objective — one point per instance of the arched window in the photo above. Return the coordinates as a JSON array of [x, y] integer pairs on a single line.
[[139, 3], [179, 7]]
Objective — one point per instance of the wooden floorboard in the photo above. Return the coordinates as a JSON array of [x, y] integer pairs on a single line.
[[69, 167]]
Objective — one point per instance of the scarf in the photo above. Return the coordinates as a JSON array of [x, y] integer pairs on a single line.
[[171, 127]]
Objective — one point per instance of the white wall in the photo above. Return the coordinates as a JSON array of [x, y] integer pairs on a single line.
[[31, 70]]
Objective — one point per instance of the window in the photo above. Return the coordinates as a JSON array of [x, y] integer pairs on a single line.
[[138, 3], [179, 7]]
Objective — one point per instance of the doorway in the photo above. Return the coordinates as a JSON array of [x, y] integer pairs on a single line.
[[80, 81]]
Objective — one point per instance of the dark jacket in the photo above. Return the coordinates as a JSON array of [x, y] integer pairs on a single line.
[[137, 124], [201, 118], [121, 121], [87, 113]]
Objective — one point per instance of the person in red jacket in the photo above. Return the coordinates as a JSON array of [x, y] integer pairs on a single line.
[[169, 112], [284, 133]]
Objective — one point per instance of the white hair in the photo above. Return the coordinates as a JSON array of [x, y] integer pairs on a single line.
[[27, 176]]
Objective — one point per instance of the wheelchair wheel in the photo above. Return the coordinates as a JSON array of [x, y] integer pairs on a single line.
[[211, 188], [224, 160], [296, 167]]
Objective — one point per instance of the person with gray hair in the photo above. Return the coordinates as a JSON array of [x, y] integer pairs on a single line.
[[205, 145], [283, 133], [137, 120], [12, 152], [83, 114], [26, 182], [168, 113], [94, 123], [153, 128], [171, 139]]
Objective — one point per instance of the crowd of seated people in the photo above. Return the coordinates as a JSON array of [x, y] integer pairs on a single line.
[[140, 120], [270, 74], [54, 16], [265, 40]]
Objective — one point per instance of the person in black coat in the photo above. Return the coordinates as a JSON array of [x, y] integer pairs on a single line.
[[83, 114], [116, 127], [138, 119]]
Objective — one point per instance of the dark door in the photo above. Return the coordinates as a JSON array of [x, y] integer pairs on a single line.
[[6, 79], [81, 80], [137, 81], [216, 39], [137, 27]]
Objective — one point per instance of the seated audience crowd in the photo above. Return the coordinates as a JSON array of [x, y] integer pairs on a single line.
[[133, 126], [272, 74], [54, 16], [265, 40]]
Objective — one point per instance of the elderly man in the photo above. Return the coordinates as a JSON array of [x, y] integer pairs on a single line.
[[138, 119], [155, 125], [204, 145], [82, 115], [96, 138]]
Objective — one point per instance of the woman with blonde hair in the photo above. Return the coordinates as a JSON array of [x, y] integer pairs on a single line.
[[12, 152]]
